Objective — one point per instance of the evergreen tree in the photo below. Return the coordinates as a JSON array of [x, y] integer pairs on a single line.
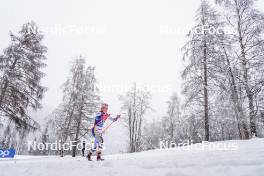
[[20, 76], [75, 114]]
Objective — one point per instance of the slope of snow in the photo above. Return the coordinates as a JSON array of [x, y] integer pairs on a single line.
[[247, 160]]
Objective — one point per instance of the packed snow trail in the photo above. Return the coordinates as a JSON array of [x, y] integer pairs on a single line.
[[247, 160]]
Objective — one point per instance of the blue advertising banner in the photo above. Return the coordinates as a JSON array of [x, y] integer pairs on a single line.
[[7, 153]]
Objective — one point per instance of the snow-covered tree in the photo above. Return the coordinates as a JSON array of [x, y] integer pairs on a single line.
[[74, 115], [171, 121], [21, 90], [201, 53], [20, 76], [135, 103], [247, 25]]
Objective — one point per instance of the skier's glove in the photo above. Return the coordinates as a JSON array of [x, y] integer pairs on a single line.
[[117, 117]]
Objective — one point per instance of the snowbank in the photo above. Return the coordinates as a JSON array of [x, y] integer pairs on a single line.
[[248, 159]]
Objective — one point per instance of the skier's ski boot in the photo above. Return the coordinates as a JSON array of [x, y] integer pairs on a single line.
[[89, 156], [99, 158]]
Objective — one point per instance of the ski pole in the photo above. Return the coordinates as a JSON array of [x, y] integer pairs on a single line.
[[107, 127], [110, 125]]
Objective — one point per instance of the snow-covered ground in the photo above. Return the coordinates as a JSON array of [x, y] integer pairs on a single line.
[[248, 159]]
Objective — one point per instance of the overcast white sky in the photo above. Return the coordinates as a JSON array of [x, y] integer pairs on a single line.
[[130, 44]]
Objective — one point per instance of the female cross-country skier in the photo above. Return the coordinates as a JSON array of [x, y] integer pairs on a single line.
[[97, 131]]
